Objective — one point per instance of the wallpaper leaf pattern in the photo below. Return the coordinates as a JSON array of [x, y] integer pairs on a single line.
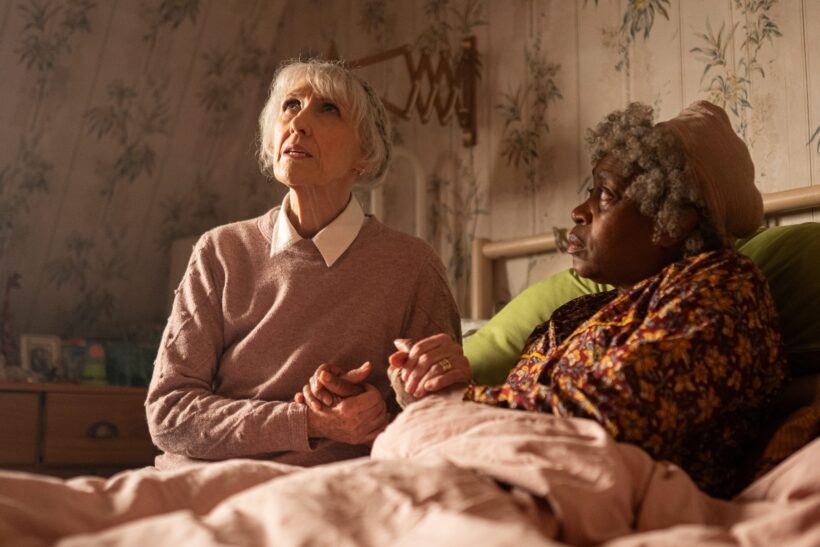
[[455, 208], [639, 17], [455, 205], [130, 120], [228, 72], [524, 111], [92, 270], [167, 13], [449, 20], [46, 36], [730, 86], [27, 175], [814, 136], [730, 53], [374, 21], [115, 122], [46, 33], [455, 199], [188, 213], [130, 130]]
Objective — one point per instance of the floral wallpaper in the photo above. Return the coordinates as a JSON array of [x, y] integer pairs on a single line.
[[126, 126], [549, 70], [130, 124]]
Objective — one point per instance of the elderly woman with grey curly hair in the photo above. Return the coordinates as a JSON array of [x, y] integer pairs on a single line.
[[683, 355], [312, 290]]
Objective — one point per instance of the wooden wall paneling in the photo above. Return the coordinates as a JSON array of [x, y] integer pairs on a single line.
[[232, 172], [555, 23], [388, 79], [598, 88], [228, 142], [409, 20], [584, 37], [778, 123], [428, 142], [49, 124], [391, 80], [694, 15], [188, 152], [601, 88], [16, 84], [174, 61], [509, 207], [655, 67], [256, 193], [810, 16], [5, 16], [486, 121]]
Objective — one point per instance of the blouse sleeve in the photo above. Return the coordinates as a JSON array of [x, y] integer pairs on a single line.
[[184, 414], [707, 348]]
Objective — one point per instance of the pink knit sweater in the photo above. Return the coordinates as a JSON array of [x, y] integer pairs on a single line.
[[247, 330]]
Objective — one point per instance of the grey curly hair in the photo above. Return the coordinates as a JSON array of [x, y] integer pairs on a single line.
[[334, 81], [664, 184]]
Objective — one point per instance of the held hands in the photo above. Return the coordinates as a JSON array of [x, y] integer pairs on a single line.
[[341, 407], [431, 364], [330, 384]]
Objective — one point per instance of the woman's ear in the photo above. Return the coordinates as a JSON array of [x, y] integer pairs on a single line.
[[687, 221], [360, 167]]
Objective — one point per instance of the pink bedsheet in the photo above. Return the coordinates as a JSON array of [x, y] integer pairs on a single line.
[[444, 473]]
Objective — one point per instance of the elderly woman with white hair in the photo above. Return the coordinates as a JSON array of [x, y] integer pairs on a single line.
[[683, 356], [312, 289]]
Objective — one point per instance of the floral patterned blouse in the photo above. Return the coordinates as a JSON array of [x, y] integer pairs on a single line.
[[682, 365]]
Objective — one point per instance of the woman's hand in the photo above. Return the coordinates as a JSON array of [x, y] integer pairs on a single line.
[[330, 384], [355, 420], [432, 364]]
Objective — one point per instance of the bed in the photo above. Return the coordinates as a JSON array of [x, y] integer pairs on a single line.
[[482, 476]]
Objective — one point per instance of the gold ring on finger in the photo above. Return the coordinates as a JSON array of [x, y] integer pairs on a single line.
[[445, 364]]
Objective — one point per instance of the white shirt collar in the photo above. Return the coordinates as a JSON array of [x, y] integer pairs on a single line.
[[331, 241]]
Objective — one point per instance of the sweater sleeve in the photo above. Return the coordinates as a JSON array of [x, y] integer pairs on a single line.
[[432, 309], [184, 414]]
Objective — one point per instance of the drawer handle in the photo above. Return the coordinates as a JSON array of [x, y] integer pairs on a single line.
[[103, 430]]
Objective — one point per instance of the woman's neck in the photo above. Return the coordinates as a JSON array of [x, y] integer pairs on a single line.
[[311, 209]]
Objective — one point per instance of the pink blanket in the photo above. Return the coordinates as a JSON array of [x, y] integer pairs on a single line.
[[443, 473]]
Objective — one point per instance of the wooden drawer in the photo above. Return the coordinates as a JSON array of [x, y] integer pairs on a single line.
[[97, 429], [18, 428]]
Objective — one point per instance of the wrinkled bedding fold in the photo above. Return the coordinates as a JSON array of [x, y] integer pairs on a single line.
[[444, 472]]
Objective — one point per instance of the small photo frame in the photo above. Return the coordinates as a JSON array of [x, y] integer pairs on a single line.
[[40, 354]]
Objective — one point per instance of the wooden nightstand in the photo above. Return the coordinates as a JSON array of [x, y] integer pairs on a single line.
[[67, 430]]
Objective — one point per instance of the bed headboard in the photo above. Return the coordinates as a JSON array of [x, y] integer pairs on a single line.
[[403, 154], [486, 251]]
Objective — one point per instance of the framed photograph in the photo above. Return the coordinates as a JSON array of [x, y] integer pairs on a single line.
[[40, 354]]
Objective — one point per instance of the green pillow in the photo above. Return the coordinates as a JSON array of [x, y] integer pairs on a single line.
[[494, 349], [789, 256]]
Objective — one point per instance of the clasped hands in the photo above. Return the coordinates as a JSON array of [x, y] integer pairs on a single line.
[[344, 408]]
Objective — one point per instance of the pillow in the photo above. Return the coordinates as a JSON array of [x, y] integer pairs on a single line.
[[494, 349], [471, 326], [789, 256]]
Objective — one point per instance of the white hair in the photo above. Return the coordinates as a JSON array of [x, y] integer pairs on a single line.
[[335, 82], [664, 185]]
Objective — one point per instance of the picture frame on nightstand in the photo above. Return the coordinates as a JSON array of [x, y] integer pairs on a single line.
[[40, 353]]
